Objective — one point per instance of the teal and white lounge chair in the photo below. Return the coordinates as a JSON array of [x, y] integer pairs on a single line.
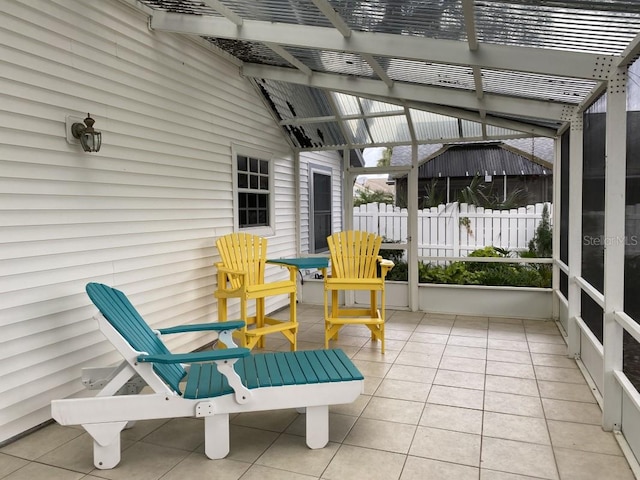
[[210, 384]]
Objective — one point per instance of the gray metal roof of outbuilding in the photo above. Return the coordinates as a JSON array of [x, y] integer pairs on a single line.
[[469, 159]]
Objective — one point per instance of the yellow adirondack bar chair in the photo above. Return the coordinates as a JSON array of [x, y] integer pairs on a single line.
[[355, 265], [241, 275]]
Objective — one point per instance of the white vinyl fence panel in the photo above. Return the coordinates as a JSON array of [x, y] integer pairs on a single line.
[[454, 229]]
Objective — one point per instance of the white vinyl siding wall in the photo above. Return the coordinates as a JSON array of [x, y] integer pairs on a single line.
[[326, 159], [141, 215]]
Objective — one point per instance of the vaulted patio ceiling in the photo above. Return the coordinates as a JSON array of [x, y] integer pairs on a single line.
[[351, 74]]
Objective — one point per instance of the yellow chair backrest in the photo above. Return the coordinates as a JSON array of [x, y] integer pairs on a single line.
[[246, 253], [354, 254]]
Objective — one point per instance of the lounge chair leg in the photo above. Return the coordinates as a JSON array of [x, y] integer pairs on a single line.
[[106, 443], [216, 436], [317, 426]]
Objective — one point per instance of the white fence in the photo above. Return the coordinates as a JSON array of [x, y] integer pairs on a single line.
[[454, 229]]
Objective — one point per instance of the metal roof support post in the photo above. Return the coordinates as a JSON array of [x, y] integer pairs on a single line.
[[614, 234], [575, 235], [412, 206], [557, 185]]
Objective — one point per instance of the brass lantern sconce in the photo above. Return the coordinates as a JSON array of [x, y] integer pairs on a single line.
[[82, 131]]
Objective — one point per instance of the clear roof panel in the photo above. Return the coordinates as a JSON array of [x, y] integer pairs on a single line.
[[359, 131], [352, 105], [493, 131], [389, 129], [471, 129], [347, 104], [441, 19], [579, 25], [432, 126], [531, 85], [333, 62], [427, 73], [302, 12]]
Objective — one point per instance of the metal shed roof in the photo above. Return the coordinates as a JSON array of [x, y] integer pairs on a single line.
[[350, 74], [480, 159]]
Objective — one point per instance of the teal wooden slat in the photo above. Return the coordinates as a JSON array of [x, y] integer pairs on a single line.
[[191, 389], [306, 367], [343, 373], [320, 372], [346, 361], [294, 366], [333, 374], [204, 384], [285, 371], [250, 372], [274, 371], [262, 370]]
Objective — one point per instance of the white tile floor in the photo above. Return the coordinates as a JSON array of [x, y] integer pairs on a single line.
[[453, 398]]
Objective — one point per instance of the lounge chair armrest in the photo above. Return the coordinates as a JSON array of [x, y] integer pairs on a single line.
[[201, 327], [207, 356]]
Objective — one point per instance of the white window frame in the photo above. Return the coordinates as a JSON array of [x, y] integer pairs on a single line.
[[322, 170], [243, 151]]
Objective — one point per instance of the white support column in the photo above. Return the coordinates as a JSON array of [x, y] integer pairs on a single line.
[[347, 191], [575, 235], [412, 210], [557, 186], [614, 231]]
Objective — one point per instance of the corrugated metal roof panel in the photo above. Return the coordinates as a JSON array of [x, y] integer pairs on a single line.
[[475, 159]]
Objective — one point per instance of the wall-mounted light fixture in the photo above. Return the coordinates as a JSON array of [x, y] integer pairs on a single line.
[[88, 137]]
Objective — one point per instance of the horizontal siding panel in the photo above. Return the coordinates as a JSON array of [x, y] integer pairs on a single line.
[[142, 214]]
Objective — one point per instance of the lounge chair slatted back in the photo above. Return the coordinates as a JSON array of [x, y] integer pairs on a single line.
[[117, 309]]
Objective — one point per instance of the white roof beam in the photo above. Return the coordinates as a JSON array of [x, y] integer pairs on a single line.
[[332, 118], [382, 74], [421, 93], [290, 58], [468, 10], [224, 11], [393, 144], [335, 19], [501, 57], [482, 116]]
